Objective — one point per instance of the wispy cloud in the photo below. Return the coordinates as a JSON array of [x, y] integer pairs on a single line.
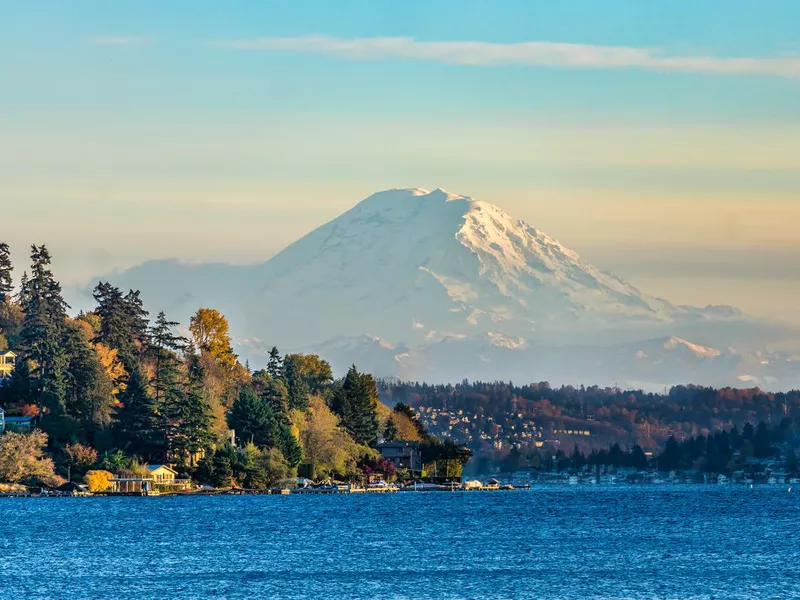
[[116, 40], [539, 54]]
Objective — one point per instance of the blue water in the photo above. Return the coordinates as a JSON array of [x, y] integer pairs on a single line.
[[549, 542]]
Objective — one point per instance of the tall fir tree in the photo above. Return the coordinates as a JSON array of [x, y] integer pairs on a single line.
[[253, 418], [275, 364], [90, 391], [390, 433], [138, 424], [194, 430], [43, 330], [6, 274], [296, 386], [356, 402], [123, 322], [166, 382]]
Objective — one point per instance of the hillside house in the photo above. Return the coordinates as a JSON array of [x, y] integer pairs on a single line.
[[404, 454]]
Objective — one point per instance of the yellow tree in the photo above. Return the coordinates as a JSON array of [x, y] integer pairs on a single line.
[[209, 329], [326, 446]]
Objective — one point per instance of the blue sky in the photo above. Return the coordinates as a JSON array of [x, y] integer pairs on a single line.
[[660, 139]]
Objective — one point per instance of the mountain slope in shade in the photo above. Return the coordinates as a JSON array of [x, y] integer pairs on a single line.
[[439, 285]]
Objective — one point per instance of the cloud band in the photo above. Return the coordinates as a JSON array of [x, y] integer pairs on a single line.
[[535, 53]]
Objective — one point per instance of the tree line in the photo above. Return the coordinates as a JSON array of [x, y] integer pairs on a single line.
[[115, 389]]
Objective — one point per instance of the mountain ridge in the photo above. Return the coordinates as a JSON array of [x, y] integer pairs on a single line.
[[417, 268]]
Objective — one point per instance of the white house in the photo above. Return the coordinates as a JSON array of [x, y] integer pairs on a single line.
[[2, 420]]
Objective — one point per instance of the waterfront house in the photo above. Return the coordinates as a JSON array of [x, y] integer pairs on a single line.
[[404, 454], [162, 473], [2, 420], [8, 361], [164, 479]]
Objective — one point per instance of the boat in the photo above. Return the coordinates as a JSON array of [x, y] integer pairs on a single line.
[[421, 486], [573, 480]]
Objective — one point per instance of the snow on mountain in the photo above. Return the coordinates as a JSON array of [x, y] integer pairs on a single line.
[[415, 266], [417, 283]]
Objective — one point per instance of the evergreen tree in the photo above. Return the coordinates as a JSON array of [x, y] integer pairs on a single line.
[[275, 364], [289, 446], [193, 414], [6, 274], [167, 383], [43, 330], [670, 459], [260, 421], [18, 389], [90, 391], [253, 419], [123, 322], [296, 386], [638, 458], [276, 395], [138, 427], [22, 295], [390, 433], [355, 401]]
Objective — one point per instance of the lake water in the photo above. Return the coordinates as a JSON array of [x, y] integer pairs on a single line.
[[548, 542]]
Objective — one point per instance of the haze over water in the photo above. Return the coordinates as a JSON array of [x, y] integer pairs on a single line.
[[549, 542]]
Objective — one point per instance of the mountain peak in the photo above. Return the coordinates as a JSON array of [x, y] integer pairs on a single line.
[[399, 195]]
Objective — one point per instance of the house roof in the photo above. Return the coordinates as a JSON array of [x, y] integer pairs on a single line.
[[8, 353], [398, 444], [152, 468]]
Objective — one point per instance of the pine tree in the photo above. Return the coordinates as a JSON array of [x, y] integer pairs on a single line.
[[138, 427], [275, 364], [253, 419], [295, 384], [18, 389], [289, 446], [355, 401], [6, 273], [90, 391], [390, 433], [123, 322], [193, 413], [43, 330], [166, 382]]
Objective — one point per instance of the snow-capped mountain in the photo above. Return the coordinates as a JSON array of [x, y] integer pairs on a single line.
[[430, 282], [416, 266]]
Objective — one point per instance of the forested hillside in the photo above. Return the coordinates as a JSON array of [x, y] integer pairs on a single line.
[[115, 388]]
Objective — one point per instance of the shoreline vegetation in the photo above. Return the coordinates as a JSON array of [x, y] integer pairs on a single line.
[[113, 399], [115, 402]]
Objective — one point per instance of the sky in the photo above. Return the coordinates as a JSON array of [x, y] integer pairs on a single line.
[[661, 140]]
